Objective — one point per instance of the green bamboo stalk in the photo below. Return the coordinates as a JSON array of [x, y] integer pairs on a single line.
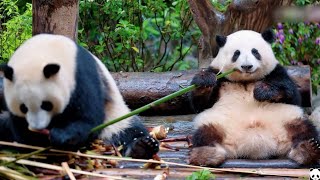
[[26, 156], [154, 103]]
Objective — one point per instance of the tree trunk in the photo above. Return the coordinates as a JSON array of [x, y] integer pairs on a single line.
[[55, 17], [255, 15]]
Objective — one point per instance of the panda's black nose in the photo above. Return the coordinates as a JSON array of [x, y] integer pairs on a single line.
[[246, 67]]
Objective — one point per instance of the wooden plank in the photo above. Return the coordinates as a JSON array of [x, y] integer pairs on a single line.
[[181, 173]]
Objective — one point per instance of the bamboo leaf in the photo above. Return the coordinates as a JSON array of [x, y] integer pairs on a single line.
[[135, 49]]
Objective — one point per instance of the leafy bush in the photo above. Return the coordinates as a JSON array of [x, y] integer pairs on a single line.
[[152, 35], [16, 29], [299, 44]]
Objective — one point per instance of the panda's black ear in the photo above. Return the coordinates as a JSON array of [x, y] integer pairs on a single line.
[[221, 40], [50, 70], [7, 71], [268, 36]]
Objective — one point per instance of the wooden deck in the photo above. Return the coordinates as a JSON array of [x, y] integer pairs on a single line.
[[182, 126]]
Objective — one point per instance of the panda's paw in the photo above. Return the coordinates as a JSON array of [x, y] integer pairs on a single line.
[[267, 92], [207, 156], [315, 144], [67, 139], [144, 148], [205, 78], [306, 152]]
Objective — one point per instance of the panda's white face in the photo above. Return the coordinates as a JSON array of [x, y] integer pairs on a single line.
[[248, 53], [40, 79], [37, 101]]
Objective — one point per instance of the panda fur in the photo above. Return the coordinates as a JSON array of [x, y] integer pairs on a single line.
[[255, 112], [52, 83]]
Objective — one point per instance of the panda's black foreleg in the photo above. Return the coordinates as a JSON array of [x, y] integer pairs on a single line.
[[305, 148], [206, 82], [71, 136], [277, 87], [14, 128], [205, 78], [5, 127], [136, 141]]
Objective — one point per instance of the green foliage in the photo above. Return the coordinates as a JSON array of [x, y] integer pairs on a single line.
[[16, 27], [135, 35], [152, 35], [299, 44], [222, 7], [304, 2], [201, 175]]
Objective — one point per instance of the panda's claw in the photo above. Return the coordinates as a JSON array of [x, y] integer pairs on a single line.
[[144, 148], [315, 145], [307, 152]]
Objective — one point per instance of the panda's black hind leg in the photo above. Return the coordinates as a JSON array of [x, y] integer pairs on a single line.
[[305, 148], [136, 141], [306, 152], [144, 147], [207, 146]]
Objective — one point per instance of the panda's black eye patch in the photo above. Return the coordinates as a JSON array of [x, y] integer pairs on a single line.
[[256, 53], [23, 108], [46, 105], [235, 56]]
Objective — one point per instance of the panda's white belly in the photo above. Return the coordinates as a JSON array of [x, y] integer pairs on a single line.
[[252, 129]]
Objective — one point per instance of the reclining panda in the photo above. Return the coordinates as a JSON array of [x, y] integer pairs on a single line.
[[52, 83], [255, 112]]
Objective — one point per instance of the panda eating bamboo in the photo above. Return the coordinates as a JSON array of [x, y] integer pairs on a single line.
[[52, 83], [255, 111]]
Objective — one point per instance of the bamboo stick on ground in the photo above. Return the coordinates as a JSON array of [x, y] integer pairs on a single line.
[[66, 168], [256, 171], [26, 156], [14, 174], [57, 168]]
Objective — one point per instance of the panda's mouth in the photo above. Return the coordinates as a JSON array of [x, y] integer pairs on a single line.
[[249, 72]]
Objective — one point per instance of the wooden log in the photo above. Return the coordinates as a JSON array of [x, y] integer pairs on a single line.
[[139, 89], [55, 17]]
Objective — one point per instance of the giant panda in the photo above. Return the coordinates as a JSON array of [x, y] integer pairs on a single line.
[[255, 112], [53, 84]]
